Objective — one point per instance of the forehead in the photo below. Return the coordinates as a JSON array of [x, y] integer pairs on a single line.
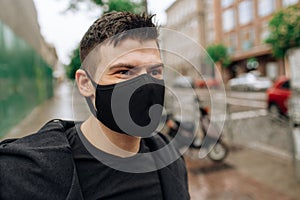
[[128, 48], [127, 52]]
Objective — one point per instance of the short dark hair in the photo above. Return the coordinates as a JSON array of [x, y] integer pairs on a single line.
[[116, 26]]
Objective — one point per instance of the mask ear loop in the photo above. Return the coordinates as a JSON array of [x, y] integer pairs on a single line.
[[88, 100], [89, 77]]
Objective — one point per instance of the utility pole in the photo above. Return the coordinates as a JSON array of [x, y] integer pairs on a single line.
[[294, 106]]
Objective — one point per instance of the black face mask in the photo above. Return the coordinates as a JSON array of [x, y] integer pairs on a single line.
[[132, 107]]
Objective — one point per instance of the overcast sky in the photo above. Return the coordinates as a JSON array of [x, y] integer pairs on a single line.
[[65, 29]]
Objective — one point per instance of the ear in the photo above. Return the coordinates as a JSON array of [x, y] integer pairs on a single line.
[[84, 84]]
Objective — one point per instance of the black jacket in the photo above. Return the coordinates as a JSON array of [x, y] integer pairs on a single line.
[[41, 166]]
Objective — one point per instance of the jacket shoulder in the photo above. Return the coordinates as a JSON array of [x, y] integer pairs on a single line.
[[38, 166]]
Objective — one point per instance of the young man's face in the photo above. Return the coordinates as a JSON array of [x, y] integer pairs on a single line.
[[129, 59], [134, 107]]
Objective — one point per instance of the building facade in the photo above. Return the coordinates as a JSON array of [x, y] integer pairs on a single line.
[[242, 25], [26, 62], [187, 36]]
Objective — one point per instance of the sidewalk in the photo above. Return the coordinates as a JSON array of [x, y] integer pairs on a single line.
[[247, 174]]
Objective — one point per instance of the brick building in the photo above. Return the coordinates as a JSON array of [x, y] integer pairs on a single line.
[[242, 25], [187, 36]]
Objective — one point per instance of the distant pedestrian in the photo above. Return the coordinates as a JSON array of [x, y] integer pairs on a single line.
[[116, 153]]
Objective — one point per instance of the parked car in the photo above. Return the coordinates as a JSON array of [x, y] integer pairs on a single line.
[[249, 81], [278, 96], [207, 82], [183, 82]]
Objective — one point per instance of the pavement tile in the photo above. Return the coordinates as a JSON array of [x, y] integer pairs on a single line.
[[211, 181]]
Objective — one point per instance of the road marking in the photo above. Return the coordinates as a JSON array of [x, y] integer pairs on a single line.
[[270, 150], [248, 103], [239, 115], [248, 114], [248, 95]]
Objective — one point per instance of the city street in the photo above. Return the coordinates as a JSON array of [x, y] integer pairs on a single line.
[[248, 123], [246, 174], [259, 165], [217, 59]]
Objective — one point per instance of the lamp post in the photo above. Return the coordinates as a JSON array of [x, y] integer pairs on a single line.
[[294, 106]]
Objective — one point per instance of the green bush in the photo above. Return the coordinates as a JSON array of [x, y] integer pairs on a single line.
[[284, 31], [219, 53], [74, 64]]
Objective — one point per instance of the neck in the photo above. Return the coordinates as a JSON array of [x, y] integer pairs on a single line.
[[109, 141]]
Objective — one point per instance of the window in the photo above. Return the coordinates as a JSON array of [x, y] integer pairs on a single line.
[[247, 39], [226, 3], [210, 16], [246, 12], [266, 7], [264, 31], [211, 36], [228, 20], [8, 37], [230, 42], [1, 35], [233, 43], [210, 29], [209, 4], [286, 85], [289, 2]]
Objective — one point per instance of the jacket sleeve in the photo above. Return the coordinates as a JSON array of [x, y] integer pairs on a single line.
[[39, 166]]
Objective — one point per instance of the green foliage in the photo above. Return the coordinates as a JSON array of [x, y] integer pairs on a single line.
[[284, 31], [135, 6], [125, 5], [25, 79], [74, 64], [218, 53], [98, 2]]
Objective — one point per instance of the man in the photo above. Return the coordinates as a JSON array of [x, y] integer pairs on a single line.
[[116, 153]]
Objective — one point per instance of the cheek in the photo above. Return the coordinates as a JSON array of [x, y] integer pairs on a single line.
[[102, 76], [159, 76], [107, 80]]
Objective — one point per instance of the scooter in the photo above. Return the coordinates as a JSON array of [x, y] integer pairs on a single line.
[[210, 142]]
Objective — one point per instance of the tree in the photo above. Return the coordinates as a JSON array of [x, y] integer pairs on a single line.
[[74, 64], [136, 6], [107, 6], [218, 53], [125, 5], [284, 31]]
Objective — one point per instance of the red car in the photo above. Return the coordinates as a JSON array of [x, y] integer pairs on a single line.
[[207, 83], [278, 96]]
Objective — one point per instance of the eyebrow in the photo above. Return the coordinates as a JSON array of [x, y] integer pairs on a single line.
[[121, 65], [130, 66]]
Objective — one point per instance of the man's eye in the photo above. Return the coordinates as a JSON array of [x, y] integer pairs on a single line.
[[124, 72], [155, 72]]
